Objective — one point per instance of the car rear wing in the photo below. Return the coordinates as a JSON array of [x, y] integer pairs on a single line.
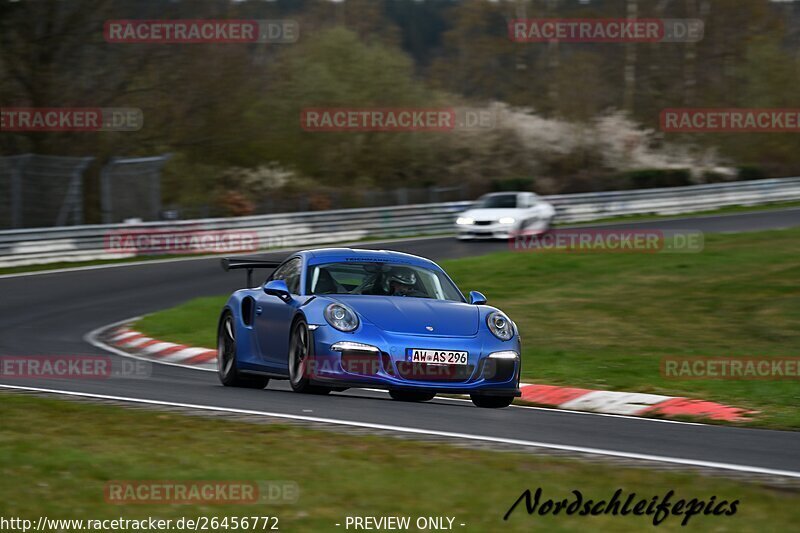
[[249, 264]]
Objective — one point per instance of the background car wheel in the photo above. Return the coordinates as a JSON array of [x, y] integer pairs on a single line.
[[411, 396], [226, 358], [535, 225], [299, 354], [492, 402]]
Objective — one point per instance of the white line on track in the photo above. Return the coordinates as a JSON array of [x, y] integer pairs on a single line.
[[418, 431]]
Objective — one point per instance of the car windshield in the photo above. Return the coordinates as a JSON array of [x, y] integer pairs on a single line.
[[497, 201], [381, 279]]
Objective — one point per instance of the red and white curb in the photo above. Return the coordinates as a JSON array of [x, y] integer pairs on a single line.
[[140, 345], [630, 403], [132, 342]]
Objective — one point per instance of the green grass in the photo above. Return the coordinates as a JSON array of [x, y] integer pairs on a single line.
[[59, 470], [193, 323], [605, 320], [728, 210]]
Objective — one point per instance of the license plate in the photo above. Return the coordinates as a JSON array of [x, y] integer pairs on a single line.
[[441, 357]]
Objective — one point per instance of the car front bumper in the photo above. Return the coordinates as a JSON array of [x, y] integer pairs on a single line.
[[495, 230], [387, 365]]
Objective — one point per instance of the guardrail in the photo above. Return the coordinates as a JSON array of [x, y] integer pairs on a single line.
[[85, 243]]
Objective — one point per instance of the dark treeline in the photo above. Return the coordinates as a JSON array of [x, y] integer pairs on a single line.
[[570, 117]]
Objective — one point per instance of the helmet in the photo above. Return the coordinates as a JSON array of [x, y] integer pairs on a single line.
[[402, 275]]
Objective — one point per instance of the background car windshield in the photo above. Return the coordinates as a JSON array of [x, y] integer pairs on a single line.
[[378, 279], [498, 201]]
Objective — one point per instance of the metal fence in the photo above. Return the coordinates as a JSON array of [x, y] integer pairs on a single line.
[[10, 182], [42, 190], [130, 188], [32, 246]]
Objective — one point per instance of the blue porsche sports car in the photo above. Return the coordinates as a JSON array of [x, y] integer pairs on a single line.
[[335, 318]]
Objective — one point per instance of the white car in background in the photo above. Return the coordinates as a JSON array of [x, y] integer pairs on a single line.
[[502, 214]]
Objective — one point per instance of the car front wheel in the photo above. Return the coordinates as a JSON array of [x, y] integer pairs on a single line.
[[491, 402], [300, 360]]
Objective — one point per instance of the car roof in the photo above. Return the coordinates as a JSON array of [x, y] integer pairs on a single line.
[[332, 255]]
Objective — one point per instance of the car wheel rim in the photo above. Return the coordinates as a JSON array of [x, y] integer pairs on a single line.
[[299, 354], [227, 347]]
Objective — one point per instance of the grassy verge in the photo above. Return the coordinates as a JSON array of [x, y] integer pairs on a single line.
[[729, 210], [605, 320], [628, 218], [60, 470]]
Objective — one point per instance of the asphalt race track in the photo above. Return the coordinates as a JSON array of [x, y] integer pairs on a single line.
[[50, 313]]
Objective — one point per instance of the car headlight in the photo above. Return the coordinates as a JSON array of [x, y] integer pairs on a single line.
[[505, 354], [465, 221], [341, 317], [507, 220], [500, 325]]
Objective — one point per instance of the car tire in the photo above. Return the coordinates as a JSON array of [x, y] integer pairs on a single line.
[[227, 369], [526, 224], [411, 395], [491, 402], [299, 353]]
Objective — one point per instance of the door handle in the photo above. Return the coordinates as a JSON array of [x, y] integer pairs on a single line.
[[259, 310]]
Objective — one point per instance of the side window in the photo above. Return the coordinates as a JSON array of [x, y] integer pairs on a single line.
[[529, 200], [290, 273], [293, 276], [279, 273]]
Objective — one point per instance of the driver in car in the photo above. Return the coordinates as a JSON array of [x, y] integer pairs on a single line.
[[402, 281]]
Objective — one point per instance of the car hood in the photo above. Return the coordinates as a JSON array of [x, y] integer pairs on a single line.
[[412, 316], [492, 214]]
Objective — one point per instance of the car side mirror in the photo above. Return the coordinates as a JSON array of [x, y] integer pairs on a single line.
[[277, 287], [476, 298]]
